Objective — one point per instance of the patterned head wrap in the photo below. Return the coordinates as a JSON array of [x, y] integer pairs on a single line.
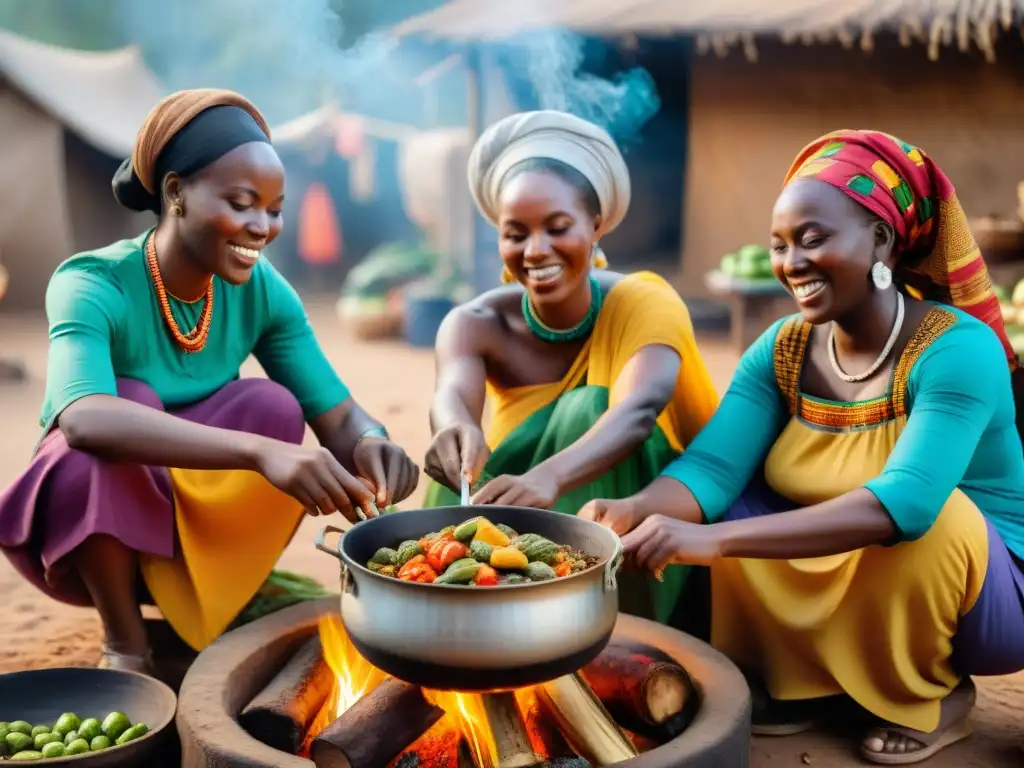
[[936, 255]]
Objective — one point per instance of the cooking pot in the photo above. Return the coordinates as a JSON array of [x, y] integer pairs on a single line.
[[450, 637]]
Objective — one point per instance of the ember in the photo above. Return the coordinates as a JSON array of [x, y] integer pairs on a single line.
[[372, 720]]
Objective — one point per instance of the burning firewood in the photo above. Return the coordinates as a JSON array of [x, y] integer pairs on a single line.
[[511, 741], [585, 722], [281, 713], [376, 729], [643, 689]]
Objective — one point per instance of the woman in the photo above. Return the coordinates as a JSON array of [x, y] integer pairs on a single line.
[[593, 378], [146, 340], [876, 551]]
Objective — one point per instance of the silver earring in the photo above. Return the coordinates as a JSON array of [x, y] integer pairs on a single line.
[[881, 276]]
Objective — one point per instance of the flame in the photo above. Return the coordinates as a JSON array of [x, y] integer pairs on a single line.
[[465, 719]]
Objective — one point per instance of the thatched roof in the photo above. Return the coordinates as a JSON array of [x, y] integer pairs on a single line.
[[101, 96], [721, 23]]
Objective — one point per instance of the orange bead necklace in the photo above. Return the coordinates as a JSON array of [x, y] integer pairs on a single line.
[[194, 340]]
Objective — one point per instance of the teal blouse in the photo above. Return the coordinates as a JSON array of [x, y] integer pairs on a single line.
[[961, 432], [105, 323]]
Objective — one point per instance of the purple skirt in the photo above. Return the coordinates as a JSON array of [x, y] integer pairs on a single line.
[[66, 496], [990, 637]]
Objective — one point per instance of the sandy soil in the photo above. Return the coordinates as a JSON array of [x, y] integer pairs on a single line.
[[395, 383]]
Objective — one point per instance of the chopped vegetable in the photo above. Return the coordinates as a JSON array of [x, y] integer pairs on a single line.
[[536, 548], [481, 551], [460, 572], [539, 571], [385, 556], [418, 570], [485, 576], [508, 558], [466, 531], [443, 553], [488, 532], [407, 550], [508, 530]]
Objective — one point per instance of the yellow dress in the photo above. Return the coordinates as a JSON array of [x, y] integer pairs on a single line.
[[802, 625]]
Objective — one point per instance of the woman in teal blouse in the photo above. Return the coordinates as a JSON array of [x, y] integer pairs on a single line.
[[866, 530], [156, 457]]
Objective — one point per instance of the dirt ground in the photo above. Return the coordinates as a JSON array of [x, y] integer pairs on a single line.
[[395, 383]]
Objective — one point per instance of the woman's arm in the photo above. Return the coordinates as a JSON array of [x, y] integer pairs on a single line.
[[641, 393], [956, 388], [457, 408]]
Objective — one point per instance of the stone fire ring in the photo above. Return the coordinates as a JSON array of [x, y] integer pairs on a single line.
[[229, 673]]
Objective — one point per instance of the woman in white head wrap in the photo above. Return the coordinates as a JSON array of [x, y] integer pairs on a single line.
[[593, 379]]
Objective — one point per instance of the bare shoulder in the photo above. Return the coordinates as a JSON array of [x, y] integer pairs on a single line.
[[477, 324]]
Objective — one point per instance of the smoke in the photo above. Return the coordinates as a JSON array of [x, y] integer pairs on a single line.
[[553, 60], [288, 57]]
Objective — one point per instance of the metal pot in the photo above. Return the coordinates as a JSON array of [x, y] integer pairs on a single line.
[[450, 637]]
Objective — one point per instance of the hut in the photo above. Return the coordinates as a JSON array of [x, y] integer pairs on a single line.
[[762, 79], [67, 119]]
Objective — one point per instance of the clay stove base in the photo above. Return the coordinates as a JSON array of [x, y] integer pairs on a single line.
[[229, 673]]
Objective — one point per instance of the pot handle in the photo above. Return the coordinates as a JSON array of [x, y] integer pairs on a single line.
[[321, 539], [611, 568]]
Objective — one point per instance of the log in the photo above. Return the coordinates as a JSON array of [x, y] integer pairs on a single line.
[[509, 737], [643, 689], [429, 752], [545, 737], [281, 714], [377, 728], [584, 721]]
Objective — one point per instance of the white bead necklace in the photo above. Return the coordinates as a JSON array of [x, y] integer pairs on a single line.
[[886, 350]]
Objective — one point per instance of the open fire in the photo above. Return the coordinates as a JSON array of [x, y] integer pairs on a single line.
[[371, 720]]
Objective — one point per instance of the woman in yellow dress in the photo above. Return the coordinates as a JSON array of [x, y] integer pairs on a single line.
[[593, 379], [863, 479]]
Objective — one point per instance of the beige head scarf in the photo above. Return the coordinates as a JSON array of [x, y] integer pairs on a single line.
[[556, 136]]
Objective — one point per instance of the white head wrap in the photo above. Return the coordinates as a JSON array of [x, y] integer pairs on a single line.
[[551, 135]]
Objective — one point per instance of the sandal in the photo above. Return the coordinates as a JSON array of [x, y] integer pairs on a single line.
[[126, 662], [890, 744]]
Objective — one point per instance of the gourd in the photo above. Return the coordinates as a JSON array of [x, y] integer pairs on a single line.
[[488, 532], [465, 532], [407, 550], [481, 551], [508, 558], [512, 578], [537, 548], [539, 572], [460, 572], [508, 530], [384, 556]]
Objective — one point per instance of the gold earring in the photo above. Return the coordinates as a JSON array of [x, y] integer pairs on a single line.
[[506, 276], [176, 208], [598, 259]]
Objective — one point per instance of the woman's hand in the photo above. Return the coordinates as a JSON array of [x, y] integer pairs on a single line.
[[387, 468], [621, 515], [315, 478], [455, 450], [537, 489], [662, 541]]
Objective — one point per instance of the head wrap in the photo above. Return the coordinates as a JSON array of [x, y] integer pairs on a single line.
[[936, 255], [184, 133], [551, 135]]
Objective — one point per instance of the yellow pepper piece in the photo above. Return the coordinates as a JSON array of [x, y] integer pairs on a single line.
[[508, 558], [489, 533]]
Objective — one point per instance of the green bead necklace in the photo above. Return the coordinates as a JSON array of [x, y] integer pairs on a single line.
[[559, 336]]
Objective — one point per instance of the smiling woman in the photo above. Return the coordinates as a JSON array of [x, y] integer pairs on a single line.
[[593, 378], [156, 458]]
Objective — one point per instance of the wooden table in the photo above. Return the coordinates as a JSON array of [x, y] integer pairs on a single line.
[[754, 304]]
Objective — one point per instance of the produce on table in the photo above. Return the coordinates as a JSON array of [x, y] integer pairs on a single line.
[[481, 554], [69, 736], [752, 262]]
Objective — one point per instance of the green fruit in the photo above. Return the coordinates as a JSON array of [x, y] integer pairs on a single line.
[[40, 729], [754, 252], [43, 739], [18, 741], [481, 551], [135, 732], [90, 728], [508, 530], [20, 726], [465, 532], [67, 723], [54, 749], [72, 736], [77, 747], [384, 556], [728, 265], [28, 754], [539, 571], [100, 742], [407, 550], [460, 572], [115, 724]]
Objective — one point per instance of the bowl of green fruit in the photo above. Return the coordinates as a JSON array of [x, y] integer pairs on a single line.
[[96, 718]]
